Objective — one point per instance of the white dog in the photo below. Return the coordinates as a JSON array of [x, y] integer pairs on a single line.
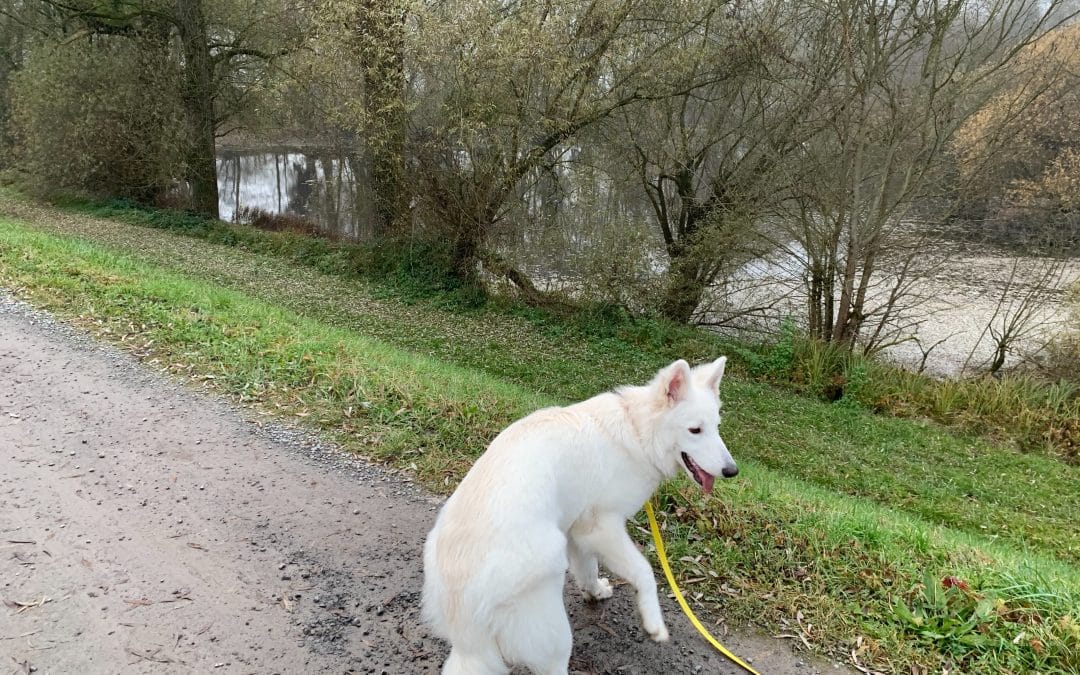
[[554, 491]]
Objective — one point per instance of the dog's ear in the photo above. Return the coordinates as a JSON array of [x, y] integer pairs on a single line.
[[717, 374], [674, 381]]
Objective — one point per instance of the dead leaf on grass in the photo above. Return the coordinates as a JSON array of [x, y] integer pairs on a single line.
[[793, 636]]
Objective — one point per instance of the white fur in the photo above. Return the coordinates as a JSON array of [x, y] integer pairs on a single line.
[[553, 492]]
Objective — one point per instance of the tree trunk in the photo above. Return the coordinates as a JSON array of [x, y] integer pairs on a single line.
[[381, 38], [685, 286], [1001, 352], [199, 101], [817, 301], [842, 333], [465, 252], [532, 295]]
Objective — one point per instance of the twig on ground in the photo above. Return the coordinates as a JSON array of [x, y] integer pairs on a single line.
[[21, 607], [152, 656]]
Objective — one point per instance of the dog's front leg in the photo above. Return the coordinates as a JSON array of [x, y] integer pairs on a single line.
[[585, 572], [619, 554]]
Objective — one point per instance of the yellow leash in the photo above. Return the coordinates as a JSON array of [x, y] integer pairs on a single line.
[[662, 554]]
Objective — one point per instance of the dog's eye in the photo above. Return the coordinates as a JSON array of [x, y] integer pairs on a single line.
[[695, 430]]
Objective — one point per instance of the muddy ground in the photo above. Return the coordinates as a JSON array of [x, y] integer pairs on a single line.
[[148, 528]]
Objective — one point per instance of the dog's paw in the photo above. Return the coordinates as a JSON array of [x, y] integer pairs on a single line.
[[601, 590], [659, 633]]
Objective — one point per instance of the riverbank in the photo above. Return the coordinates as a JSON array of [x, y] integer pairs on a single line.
[[838, 532]]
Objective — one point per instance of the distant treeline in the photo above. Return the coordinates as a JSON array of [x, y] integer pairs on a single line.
[[654, 147]]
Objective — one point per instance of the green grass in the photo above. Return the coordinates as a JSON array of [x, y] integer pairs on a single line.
[[1029, 412], [955, 480], [839, 514], [1034, 415]]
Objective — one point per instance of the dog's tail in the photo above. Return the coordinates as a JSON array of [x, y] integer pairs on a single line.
[[446, 606], [466, 625], [433, 599]]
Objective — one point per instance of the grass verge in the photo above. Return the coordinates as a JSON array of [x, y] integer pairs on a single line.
[[955, 480], [884, 587], [1029, 412]]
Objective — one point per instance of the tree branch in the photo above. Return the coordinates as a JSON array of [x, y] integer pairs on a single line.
[[234, 52]]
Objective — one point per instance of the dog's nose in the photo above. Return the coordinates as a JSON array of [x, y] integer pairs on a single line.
[[730, 471]]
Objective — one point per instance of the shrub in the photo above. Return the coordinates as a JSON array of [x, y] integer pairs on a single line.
[[777, 360], [1064, 353], [102, 118], [279, 222], [1036, 413]]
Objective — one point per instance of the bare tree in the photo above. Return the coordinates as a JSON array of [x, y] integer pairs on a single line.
[[907, 76], [712, 162], [1024, 309], [19, 23], [492, 111], [1018, 157], [352, 71]]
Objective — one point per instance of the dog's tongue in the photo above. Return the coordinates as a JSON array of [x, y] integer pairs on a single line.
[[703, 477], [706, 480]]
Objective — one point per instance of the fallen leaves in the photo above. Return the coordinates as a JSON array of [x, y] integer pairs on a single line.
[[803, 631]]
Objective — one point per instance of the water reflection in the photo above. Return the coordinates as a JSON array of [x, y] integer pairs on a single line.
[[327, 187]]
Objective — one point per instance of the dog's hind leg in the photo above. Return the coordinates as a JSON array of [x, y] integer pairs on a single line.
[[619, 554], [534, 630], [483, 661], [586, 571]]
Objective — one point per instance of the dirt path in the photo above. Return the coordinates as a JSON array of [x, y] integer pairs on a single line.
[[148, 528]]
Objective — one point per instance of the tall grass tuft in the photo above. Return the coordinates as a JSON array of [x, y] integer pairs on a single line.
[[1035, 414]]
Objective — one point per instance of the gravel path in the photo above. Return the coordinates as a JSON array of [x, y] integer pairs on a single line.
[[146, 528]]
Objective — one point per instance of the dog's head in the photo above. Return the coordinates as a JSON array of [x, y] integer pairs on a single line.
[[689, 425]]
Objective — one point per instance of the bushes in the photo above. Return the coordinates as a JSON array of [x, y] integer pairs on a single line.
[[1064, 353], [1036, 414], [99, 117], [278, 222]]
